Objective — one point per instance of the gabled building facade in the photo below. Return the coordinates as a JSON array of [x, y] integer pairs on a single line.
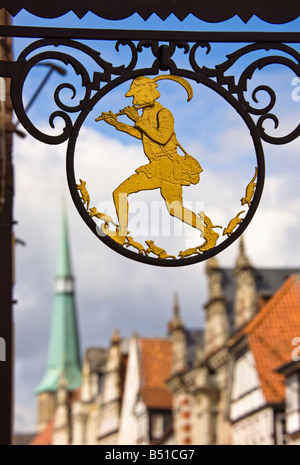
[[146, 414], [236, 381], [228, 394], [123, 398], [259, 410]]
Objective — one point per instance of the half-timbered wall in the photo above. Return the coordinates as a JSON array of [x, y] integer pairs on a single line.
[[293, 407], [252, 422]]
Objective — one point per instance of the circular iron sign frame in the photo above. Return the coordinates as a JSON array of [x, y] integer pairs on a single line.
[[240, 228]]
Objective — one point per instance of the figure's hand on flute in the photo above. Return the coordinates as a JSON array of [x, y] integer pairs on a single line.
[[131, 112], [111, 118], [108, 117]]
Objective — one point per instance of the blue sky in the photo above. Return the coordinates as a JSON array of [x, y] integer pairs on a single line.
[[112, 291]]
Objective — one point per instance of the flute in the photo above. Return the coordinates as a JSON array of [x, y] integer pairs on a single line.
[[121, 112]]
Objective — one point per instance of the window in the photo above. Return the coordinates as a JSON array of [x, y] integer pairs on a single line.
[[157, 425]]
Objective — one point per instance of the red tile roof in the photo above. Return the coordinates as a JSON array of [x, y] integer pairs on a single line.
[[270, 335], [156, 398], [44, 438], [155, 358]]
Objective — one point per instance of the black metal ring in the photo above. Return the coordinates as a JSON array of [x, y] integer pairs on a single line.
[[241, 110]]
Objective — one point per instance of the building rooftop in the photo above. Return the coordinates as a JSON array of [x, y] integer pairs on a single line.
[[270, 335], [267, 280], [155, 362]]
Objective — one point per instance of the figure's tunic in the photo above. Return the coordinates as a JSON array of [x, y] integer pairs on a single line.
[[160, 146]]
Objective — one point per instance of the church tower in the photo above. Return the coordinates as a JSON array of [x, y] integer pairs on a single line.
[[178, 336], [63, 351], [246, 300], [216, 324]]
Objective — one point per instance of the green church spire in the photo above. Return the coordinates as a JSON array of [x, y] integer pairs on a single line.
[[63, 352], [64, 263]]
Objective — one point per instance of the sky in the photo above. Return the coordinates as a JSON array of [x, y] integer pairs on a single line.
[[113, 291]]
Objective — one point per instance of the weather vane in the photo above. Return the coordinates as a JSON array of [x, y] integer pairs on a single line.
[[169, 169]]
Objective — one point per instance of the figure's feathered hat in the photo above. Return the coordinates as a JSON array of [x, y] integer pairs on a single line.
[[146, 81]]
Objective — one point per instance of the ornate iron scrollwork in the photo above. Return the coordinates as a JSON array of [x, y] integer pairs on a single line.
[[163, 61], [100, 79]]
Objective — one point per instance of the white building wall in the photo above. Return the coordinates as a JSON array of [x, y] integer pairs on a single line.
[[252, 424], [256, 429], [128, 423], [246, 393], [142, 418], [292, 404], [109, 418], [111, 440], [79, 418]]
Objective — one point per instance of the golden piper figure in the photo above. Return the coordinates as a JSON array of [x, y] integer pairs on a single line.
[[166, 170]]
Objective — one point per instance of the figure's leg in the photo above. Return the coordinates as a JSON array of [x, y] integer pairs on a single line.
[[172, 193], [135, 183]]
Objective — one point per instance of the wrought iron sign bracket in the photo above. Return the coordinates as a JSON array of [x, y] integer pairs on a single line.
[[62, 45]]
